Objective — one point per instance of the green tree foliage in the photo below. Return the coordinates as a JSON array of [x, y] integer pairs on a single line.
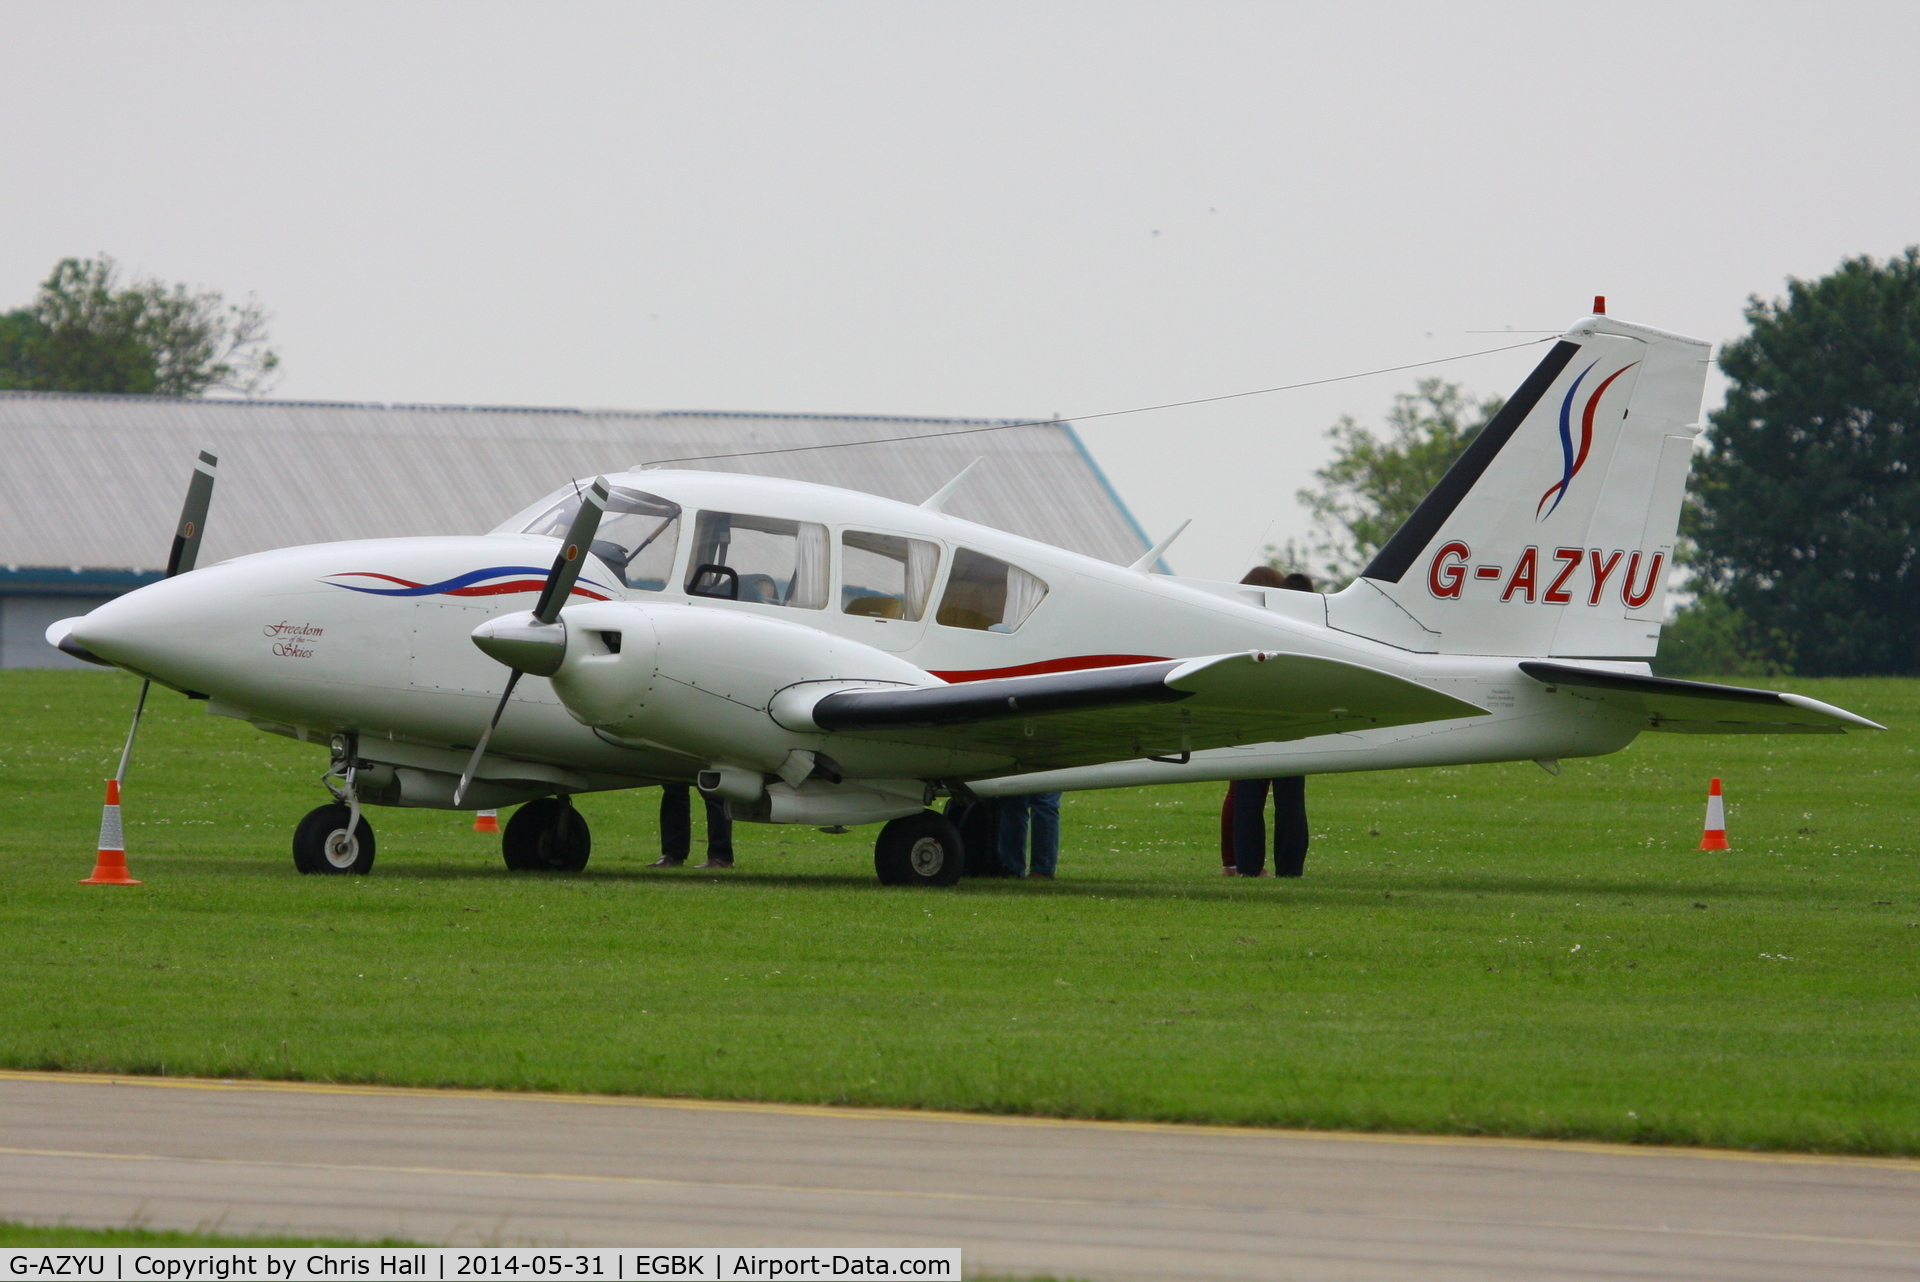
[[1806, 509], [87, 332], [1374, 482]]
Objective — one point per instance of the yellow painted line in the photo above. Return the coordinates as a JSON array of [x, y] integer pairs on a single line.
[[1127, 1204], [853, 1113]]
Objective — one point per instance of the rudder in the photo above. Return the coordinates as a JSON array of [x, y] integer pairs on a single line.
[[1552, 535]]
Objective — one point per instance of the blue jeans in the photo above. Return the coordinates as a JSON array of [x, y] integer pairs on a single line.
[[1044, 807]]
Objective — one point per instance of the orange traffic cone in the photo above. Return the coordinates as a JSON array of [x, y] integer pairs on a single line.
[[110, 868], [486, 821], [1715, 838]]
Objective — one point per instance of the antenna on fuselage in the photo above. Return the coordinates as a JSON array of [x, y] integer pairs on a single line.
[[945, 492], [1145, 564]]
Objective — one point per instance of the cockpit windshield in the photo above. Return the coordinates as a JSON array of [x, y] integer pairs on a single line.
[[637, 536]]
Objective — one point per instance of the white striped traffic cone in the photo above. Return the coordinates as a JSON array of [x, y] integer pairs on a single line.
[[110, 867], [1715, 837], [486, 821]]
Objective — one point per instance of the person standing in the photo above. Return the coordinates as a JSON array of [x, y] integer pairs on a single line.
[[1039, 814], [1243, 817], [1289, 826], [676, 829]]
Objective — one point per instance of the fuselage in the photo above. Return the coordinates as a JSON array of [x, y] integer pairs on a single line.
[[373, 637]]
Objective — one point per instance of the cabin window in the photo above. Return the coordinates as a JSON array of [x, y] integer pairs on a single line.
[[884, 576], [762, 559], [987, 594], [636, 539]]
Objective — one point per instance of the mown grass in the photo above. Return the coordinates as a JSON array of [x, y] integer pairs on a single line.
[[1485, 950]]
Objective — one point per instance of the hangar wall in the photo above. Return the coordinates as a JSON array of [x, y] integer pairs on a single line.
[[92, 484]]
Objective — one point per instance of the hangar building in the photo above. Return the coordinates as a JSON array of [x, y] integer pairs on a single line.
[[92, 485]]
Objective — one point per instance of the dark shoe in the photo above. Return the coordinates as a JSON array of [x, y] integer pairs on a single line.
[[664, 862], [716, 863], [1043, 876]]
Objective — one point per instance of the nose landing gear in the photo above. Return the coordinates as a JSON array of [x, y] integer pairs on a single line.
[[336, 839], [332, 839]]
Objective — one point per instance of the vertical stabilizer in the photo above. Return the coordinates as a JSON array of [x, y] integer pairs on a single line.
[[1552, 535]]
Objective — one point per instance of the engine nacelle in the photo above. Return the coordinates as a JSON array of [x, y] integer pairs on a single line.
[[700, 680]]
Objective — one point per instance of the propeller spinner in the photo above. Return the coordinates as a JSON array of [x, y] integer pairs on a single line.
[[536, 640]]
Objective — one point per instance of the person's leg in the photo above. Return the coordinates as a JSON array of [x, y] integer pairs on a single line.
[[676, 825], [1226, 834], [1289, 826], [719, 834], [1250, 826], [1046, 834], [1013, 835]]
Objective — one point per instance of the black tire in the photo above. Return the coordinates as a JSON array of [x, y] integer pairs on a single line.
[[979, 825], [320, 845], [919, 850], [547, 835]]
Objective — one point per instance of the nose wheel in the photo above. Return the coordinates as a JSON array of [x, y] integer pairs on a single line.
[[333, 840]]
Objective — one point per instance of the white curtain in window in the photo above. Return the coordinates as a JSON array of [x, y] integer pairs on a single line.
[[923, 561], [810, 568], [1024, 592]]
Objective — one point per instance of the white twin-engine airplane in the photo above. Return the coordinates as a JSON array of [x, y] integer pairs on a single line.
[[820, 656]]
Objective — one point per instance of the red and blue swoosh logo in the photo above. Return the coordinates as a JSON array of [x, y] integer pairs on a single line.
[[1574, 459], [511, 579]]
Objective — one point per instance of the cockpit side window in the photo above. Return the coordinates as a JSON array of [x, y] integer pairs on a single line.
[[637, 536], [762, 559], [987, 594], [885, 576]]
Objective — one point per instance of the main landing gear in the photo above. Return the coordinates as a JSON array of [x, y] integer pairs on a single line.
[[919, 850], [546, 835]]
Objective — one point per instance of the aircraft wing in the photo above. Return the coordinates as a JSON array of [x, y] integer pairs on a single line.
[[1700, 707], [1140, 710]]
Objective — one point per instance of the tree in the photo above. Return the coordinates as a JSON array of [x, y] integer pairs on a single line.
[[85, 332], [1374, 483], [1806, 508]]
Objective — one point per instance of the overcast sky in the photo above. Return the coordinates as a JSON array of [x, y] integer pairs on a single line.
[[961, 209]]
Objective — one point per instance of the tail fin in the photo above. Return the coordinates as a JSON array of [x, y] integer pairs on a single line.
[[1552, 535]]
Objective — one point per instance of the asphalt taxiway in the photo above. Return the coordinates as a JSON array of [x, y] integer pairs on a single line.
[[1021, 1196]]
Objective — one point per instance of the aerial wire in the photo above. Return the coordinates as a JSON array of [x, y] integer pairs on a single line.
[[1084, 418]]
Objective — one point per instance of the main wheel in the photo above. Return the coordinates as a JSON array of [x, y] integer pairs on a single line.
[[546, 835], [919, 850], [979, 825], [322, 844]]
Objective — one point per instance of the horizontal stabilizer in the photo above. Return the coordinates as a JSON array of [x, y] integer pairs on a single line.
[[1700, 707], [1164, 709]]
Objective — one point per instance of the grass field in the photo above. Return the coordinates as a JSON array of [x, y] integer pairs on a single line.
[[1483, 950]]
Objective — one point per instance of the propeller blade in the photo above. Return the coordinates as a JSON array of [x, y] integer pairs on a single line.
[[573, 552], [480, 749], [193, 516], [553, 595], [126, 753], [186, 550]]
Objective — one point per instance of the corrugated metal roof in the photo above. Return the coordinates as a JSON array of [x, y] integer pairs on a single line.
[[98, 480]]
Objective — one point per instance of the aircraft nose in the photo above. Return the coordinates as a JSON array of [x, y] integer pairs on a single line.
[[153, 630]]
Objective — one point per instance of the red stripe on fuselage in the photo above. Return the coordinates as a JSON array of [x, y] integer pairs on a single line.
[[518, 585], [1078, 663]]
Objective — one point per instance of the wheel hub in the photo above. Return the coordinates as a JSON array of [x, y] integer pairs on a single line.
[[927, 856], [342, 848]]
